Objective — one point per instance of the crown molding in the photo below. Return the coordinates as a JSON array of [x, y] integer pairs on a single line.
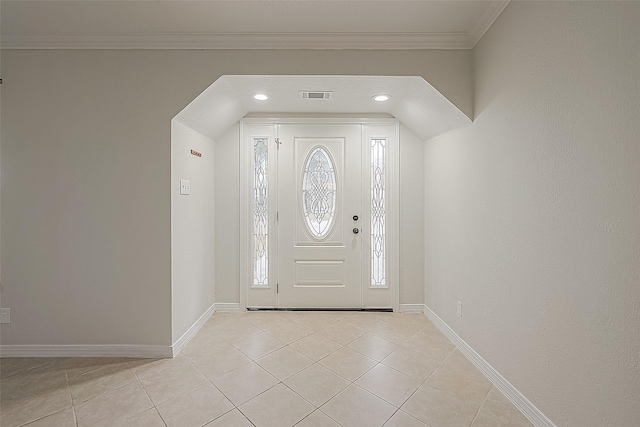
[[367, 41], [486, 21]]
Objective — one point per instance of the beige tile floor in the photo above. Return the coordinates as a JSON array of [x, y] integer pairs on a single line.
[[280, 369]]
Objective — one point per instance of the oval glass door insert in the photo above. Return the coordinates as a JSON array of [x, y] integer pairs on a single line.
[[319, 192]]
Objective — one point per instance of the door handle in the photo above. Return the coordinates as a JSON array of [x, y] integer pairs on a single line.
[[356, 230]]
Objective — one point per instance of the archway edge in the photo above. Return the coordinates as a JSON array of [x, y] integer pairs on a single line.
[[414, 102]]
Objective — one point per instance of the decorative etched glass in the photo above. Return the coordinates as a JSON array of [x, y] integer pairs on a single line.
[[260, 212], [378, 192], [319, 192]]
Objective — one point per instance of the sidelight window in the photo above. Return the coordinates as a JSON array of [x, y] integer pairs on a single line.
[[260, 212], [378, 225]]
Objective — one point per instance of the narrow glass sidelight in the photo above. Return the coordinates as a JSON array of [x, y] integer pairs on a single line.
[[378, 225], [319, 192], [260, 212]]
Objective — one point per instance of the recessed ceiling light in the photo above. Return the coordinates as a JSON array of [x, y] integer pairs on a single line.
[[260, 97], [381, 98]]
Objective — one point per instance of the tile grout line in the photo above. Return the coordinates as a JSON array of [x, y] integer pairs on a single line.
[[397, 408], [367, 356], [421, 384], [213, 384], [481, 405], [73, 405], [431, 374], [314, 363], [351, 383], [57, 411], [329, 416], [227, 397], [317, 408], [147, 393]]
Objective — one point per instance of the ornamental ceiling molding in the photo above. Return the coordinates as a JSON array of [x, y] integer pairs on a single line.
[[367, 41]]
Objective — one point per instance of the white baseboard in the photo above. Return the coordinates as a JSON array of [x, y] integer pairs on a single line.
[[136, 351], [411, 308], [227, 307], [529, 410], [181, 342], [141, 351]]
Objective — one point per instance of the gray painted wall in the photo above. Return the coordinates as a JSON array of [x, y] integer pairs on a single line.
[[86, 179], [532, 212]]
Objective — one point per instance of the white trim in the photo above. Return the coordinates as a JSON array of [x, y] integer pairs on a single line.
[[411, 308], [315, 120], [527, 408], [228, 307], [192, 331], [371, 131], [246, 170], [375, 41], [486, 20], [141, 351], [393, 234], [245, 219], [109, 350], [172, 202]]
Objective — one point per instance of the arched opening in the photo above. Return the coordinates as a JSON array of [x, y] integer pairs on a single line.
[[207, 252]]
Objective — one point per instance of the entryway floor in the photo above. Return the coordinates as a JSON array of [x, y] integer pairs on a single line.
[[260, 369]]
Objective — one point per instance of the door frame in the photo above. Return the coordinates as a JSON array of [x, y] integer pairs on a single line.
[[268, 128]]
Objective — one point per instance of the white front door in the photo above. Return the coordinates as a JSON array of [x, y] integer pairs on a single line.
[[319, 220], [319, 195]]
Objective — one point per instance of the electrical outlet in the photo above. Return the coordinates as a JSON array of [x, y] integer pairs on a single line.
[[459, 309], [5, 315], [185, 187]]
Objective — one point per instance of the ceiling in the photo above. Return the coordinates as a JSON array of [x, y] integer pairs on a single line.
[[413, 102], [246, 24]]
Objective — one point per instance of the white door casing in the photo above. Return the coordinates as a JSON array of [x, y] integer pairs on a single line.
[[317, 264]]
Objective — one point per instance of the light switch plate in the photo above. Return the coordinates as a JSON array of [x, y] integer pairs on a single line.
[[185, 187]]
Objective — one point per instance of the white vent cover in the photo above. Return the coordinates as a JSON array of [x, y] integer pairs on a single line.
[[315, 94]]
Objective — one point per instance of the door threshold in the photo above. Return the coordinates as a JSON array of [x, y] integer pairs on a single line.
[[370, 310]]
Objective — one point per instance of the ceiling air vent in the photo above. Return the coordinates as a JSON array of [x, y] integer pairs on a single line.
[[307, 94]]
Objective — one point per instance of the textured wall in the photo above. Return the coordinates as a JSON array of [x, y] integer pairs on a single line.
[[227, 196], [85, 197], [192, 222], [411, 214], [85, 163], [532, 212]]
